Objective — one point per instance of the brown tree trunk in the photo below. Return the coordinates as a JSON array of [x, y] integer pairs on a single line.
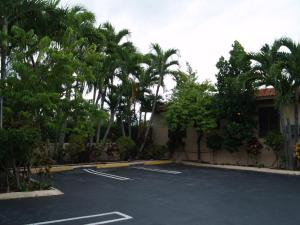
[[3, 62], [111, 120], [296, 112], [152, 115], [61, 140], [98, 134], [16, 173], [199, 137], [122, 127]]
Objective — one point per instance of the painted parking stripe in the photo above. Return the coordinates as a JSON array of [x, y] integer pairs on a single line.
[[122, 215], [156, 170], [94, 172]]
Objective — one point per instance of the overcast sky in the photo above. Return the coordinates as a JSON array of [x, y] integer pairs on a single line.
[[202, 30]]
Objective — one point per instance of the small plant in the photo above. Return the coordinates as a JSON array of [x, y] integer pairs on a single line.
[[215, 142], [274, 140], [127, 148], [75, 149], [254, 148], [159, 152], [155, 152]]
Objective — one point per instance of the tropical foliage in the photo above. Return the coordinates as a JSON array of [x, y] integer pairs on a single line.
[[66, 80]]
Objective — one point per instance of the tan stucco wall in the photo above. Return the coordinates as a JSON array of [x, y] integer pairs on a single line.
[[160, 137], [159, 130]]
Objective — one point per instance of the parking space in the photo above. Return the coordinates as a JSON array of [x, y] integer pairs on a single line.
[[161, 195]]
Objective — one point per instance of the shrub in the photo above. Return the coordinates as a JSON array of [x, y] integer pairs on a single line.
[[274, 140], [254, 147], [75, 149], [127, 148], [159, 151], [154, 152], [215, 142], [17, 149]]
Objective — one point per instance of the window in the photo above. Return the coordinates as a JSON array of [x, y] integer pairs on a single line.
[[268, 120]]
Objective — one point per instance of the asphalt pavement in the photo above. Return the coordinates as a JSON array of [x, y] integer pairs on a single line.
[[161, 195]]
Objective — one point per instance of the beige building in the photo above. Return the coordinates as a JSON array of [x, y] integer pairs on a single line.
[[268, 119]]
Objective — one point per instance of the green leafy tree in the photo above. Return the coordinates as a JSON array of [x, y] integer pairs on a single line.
[[235, 101], [192, 106]]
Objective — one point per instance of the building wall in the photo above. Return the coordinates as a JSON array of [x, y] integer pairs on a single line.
[[160, 137], [159, 130]]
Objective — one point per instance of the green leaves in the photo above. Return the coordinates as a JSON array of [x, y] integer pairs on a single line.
[[191, 106], [235, 100]]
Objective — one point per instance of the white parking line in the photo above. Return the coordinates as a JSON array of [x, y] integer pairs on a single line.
[[105, 175], [123, 217], [156, 170]]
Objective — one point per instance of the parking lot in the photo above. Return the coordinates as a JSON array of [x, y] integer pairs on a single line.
[[161, 195]]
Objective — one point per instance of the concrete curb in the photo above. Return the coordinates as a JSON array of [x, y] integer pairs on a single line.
[[244, 168], [30, 194], [63, 168]]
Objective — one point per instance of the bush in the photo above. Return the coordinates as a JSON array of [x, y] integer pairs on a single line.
[[215, 142], [159, 151], [154, 152], [75, 149], [254, 147], [127, 148], [275, 141], [17, 149]]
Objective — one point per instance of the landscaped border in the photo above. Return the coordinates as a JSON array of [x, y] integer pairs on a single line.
[[63, 168]]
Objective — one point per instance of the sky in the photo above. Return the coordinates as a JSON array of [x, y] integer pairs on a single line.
[[202, 30]]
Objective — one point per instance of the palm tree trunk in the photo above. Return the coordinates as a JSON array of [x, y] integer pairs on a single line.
[[122, 127], [296, 111], [296, 115], [94, 95], [152, 115], [100, 122], [199, 134], [129, 130], [3, 63], [140, 117], [111, 120], [286, 138], [61, 139]]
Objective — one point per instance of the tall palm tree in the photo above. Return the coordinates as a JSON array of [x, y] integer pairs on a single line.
[[293, 72], [161, 66], [269, 70], [115, 49]]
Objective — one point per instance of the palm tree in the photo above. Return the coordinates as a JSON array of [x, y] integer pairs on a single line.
[[114, 48], [161, 66], [269, 70], [293, 71]]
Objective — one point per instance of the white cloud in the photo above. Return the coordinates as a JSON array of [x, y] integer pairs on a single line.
[[202, 30]]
